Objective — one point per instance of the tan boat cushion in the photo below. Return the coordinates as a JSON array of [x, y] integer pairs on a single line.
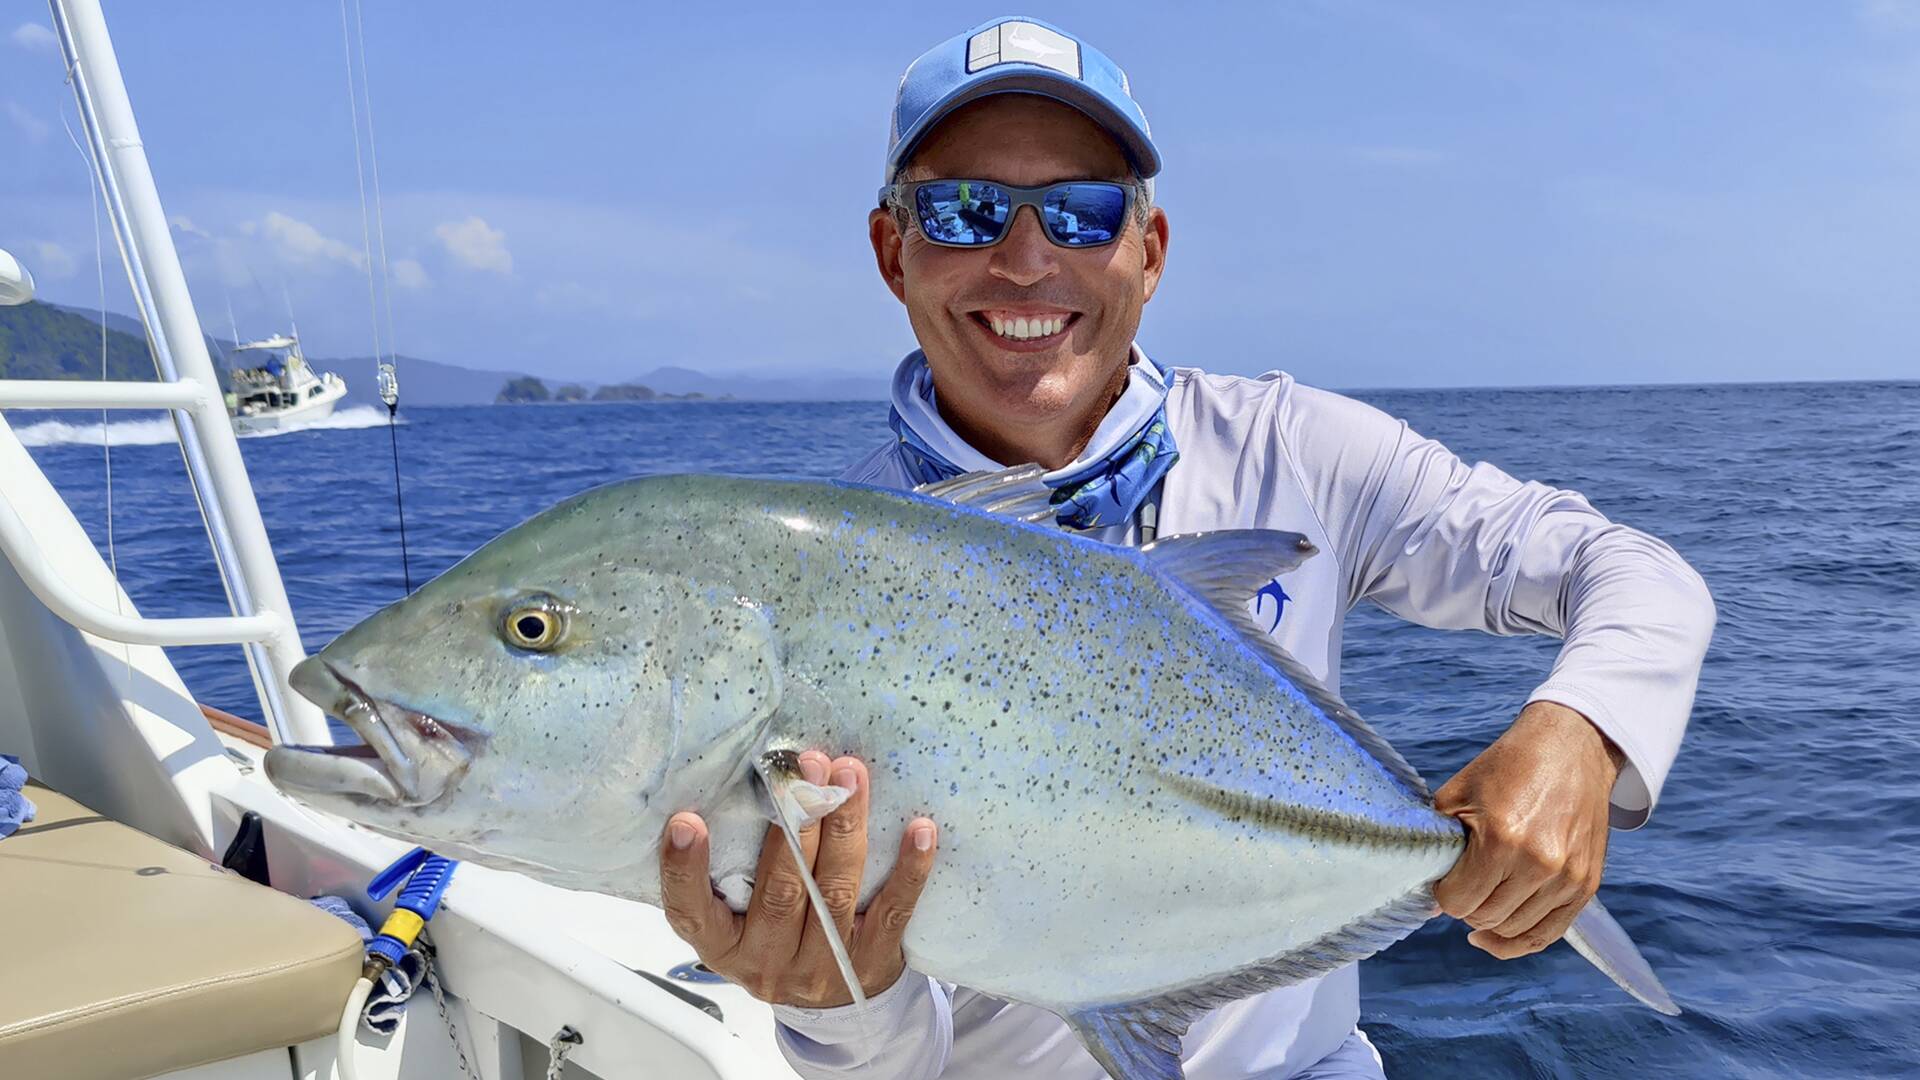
[[122, 957]]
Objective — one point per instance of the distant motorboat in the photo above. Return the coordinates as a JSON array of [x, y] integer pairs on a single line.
[[282, 391]]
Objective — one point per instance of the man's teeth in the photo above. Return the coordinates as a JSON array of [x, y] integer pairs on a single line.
[[1023, 328]]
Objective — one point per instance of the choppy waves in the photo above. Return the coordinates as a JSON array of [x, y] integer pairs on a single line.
[[1777, 888]]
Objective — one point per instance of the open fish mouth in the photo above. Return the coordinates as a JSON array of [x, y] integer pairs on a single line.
[[407, 756]]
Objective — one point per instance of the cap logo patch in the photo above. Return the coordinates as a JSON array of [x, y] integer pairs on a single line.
[[1023, 42]]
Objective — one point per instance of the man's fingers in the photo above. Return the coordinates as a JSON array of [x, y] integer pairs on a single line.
[[1521, 887], [702, 919], [886, 917], [1547, 898], [1473, 877], [776, 916], [843, 857], [1544, 933]]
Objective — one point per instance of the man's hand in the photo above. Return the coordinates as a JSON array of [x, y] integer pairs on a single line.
[[1535, 807], [778, 952]]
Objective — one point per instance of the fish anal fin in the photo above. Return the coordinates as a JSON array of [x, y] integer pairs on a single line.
[[1133, 1042], [1225, 570], [1140, 1040]]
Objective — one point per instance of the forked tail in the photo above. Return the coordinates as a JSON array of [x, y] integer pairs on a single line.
[[1601, 940]]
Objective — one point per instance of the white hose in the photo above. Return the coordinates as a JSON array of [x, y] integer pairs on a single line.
[[346, 1044]]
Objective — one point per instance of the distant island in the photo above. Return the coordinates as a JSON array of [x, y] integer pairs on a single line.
[[529, 390], [49, 341]]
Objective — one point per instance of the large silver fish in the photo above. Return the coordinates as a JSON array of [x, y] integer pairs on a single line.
[[1146, 808]]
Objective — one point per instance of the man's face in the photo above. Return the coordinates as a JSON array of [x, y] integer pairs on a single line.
[[992, 385]]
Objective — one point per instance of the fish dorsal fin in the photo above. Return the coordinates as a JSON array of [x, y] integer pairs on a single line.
[[1226, 567], [1016, 493], [1225, 570]]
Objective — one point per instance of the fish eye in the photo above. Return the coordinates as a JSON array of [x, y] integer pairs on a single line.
[[535, 623]]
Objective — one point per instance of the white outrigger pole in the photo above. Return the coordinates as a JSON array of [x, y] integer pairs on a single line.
[[263, 617]]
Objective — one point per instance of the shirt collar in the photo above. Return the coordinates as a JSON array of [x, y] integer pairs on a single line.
[[1146, 391]]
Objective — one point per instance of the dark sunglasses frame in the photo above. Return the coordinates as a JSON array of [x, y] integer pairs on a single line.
[[906, 198]]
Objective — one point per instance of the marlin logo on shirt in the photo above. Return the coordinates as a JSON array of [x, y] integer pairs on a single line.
[[1280, 598]]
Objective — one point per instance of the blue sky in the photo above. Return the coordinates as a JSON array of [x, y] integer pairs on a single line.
[[1367, 194]]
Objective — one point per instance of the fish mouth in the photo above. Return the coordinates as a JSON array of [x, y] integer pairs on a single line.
[[407, 756]]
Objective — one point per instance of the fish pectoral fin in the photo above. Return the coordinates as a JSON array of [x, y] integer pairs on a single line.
[[1133, 1042], [780, 781], [804, 711], [787, 797]]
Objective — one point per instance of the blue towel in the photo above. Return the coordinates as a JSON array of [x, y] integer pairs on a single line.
[[389, 998], [15, 808]]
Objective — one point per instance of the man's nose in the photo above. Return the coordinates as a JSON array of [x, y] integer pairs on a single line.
[[1025, 256]]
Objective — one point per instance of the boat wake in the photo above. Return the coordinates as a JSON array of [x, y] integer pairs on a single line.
[[158, 430]]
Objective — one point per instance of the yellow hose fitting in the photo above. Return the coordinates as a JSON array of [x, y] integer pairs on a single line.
[[403, 926]]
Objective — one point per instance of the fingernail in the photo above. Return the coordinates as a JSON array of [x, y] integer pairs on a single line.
[[846, 778], [813, 770], [680, 835], [923, 839]]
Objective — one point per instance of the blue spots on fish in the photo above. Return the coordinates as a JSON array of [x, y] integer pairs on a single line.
[[1272, 590]]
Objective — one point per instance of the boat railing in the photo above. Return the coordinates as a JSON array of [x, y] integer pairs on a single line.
[[261, 618]]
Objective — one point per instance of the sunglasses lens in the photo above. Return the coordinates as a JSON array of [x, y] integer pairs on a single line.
[[961, 212], [1085, 215]]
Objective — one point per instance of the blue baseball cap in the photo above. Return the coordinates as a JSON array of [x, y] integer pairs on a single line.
[[1018, 55]]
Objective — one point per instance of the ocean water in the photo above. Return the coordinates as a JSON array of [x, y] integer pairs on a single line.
[[1776, 890]]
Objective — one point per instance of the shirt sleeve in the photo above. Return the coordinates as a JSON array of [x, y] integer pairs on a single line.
[[1456, 546], [906, 1033]]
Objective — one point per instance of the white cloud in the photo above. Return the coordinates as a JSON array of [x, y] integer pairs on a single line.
[[34, 37], [299, 242], [30, 125], [410, 275], [55, 261], [476, 244], [184, 225]]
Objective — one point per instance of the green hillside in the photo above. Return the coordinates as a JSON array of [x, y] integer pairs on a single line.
[[38, 341]]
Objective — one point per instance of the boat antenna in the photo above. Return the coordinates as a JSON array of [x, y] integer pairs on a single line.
[[233, 327], [287, 298], [386, 370]]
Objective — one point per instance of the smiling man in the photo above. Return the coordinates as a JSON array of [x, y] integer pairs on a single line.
[[1017, 226]]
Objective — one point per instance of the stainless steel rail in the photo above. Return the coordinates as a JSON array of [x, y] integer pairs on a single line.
[[262, 617]]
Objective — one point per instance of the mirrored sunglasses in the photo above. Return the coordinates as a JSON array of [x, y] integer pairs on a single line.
[[976, 213]]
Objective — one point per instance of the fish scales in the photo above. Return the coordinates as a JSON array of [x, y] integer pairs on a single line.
[[1135, 803], [1031, 690]]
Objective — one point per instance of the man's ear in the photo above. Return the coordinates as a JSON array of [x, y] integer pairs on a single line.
[[884, 231], [1156, 253]]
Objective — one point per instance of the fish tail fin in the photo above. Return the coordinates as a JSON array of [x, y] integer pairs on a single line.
[[1601, 940]]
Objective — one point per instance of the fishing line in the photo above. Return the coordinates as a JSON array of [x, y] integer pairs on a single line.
[[373, 162], [106, 439], [385, 364], [399, 506]]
